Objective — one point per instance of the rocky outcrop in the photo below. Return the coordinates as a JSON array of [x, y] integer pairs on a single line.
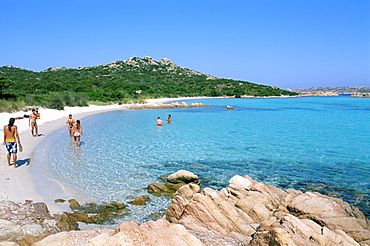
[[27, 223], [320, 94], [77, 238], [246, 212], [361, 95], [160, 232], [163, 105]]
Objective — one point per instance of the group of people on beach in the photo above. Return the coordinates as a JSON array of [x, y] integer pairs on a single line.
[[159, 121], [75, 131], [12, 139]]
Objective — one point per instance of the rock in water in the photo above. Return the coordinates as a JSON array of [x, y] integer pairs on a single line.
[[157, 188], [180, 178], [140, 200]]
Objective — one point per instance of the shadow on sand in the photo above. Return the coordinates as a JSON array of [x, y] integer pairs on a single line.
[[24, 162]]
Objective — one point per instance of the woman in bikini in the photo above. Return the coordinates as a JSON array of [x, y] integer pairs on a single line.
[[77, 133], [70, 123]]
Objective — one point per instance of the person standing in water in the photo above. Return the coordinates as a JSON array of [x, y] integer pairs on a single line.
[[159, 122], [11, 137], [169, 119], [33, 124], [77, 133], [70, 121]]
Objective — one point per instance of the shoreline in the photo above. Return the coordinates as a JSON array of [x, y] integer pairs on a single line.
[[29, 181]]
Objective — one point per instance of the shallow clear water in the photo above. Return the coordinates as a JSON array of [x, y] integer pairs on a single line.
[[311, 144]]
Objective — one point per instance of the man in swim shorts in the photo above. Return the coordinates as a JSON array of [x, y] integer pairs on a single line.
[[33, 124], [11, 138], [159, 121]]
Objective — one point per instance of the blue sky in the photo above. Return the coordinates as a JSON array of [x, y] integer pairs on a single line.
[[290, 44]]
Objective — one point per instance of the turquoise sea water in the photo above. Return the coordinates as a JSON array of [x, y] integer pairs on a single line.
[[310, 143]]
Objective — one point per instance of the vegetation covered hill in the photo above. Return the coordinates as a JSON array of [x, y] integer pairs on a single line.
[[121, 81]]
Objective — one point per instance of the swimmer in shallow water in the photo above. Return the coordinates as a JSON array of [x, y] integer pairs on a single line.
[[159, 122], [77, 133], [169, 119]]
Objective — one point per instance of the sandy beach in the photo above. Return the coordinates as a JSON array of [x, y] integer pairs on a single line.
[[28, 181]]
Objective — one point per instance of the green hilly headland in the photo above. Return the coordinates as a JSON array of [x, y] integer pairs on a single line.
[[121, 81]]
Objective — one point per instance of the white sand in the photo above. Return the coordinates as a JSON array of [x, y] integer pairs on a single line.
[[28, 182]]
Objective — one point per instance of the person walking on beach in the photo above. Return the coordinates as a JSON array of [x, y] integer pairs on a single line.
[[33, 124], [77, 133], [169, 119], [70, 121], [159, 121], [11, 137]]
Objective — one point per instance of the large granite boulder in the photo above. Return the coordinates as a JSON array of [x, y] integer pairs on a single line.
[[173, 183], [27, 223], [77, 238], [180, 178], [248, 212], [332, 213], [160, 232]]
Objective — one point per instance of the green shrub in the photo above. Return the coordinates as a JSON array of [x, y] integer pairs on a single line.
[[69, 100], [11, 105], [56, 103]]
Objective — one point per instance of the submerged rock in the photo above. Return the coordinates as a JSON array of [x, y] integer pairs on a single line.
[[73, 204], [140, 200], [59, 201], [93, 213], [157, 188]]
